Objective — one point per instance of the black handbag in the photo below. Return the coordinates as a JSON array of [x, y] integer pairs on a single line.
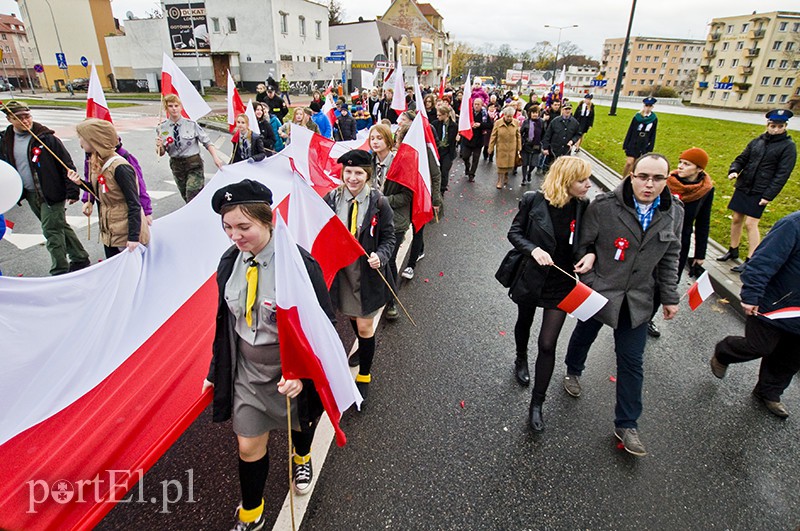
[[509, 268]]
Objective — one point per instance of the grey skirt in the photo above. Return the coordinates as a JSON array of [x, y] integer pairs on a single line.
[[258, 407]]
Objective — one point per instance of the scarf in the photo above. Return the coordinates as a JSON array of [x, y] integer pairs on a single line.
[[689, 192]]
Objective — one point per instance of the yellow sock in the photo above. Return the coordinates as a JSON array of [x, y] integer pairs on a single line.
[[301, 459], [251, 515], [363, 378]]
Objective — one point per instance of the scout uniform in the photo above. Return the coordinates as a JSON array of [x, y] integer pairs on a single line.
[[182, 141]]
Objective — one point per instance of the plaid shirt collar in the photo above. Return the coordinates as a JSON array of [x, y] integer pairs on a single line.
[[646, 216]]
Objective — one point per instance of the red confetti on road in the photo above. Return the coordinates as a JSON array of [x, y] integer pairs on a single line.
[[462, 404], [441, 273], [502, 332], [427, 280], [612, 378]]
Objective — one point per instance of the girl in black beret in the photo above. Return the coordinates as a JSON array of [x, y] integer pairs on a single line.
[[358, 291], [246, 364]]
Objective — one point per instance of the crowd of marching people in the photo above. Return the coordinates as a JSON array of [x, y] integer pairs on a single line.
[[630, 245]]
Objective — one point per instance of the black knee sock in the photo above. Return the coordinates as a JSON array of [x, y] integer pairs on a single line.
[[354, 325], [301, 440], [366, 352], [252, 478]]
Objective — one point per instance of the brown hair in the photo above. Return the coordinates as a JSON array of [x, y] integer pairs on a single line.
[[368, 169], [385, 132], [260, 213]]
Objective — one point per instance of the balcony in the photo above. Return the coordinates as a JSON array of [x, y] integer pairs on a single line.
[[745, 70], [756, 34], [714, 37], [752, 52], [705, 69], [741, 87], [709, 54]]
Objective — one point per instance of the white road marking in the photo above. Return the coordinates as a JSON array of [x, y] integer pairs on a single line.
[[159, 194], [23, 241]]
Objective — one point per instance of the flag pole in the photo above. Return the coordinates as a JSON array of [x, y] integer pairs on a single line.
[[394, 294], [289, 433], [573, 277], [160, 110], [28, 129]]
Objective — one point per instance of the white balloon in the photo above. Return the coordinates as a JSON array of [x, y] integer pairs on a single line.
[[10, 186]]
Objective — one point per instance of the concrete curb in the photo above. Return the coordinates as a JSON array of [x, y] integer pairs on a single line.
[[727, 284]]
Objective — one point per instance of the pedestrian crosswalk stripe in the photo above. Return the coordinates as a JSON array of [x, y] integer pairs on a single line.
[[159, 194], [23, 241]]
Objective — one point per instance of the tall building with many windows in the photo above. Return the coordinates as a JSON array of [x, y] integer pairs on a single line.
[[750, 62], [18, 53], [652, 62]]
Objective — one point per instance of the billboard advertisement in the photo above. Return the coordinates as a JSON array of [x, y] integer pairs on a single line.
[[187, 29]]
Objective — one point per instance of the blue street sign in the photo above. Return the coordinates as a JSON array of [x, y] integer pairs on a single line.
[[338, 54], [334, 59], [341, 47], [38, 68], [723, 86], [84, 61], [61, 60], [599, 82]]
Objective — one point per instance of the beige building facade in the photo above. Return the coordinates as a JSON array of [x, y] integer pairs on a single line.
[[652, 63], [750, 62]]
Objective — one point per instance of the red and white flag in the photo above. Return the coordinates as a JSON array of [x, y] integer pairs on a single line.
[[330, 86], [235, 105], [309, 153], [444, 81], [399, 96], [582, 302], [790, 312], [465, 119], [96, 105], [561, 79], [700, 291], [329, 110], [317, 229], [430, 139], [410, 168], [250, 112], [9, 226], [174, 81], [310, 346]]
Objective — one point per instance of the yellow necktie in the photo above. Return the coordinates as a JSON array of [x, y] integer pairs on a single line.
[[252, 286], [354, 217]]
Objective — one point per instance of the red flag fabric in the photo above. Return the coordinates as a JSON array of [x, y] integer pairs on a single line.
[[465, 112], [174, 81], [410, 168], [310, 346], [582, 302], [96, 105], [235, 105], [700, 291]]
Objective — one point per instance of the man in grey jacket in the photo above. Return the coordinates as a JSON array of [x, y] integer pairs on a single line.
[[562, 133], [633, 236]]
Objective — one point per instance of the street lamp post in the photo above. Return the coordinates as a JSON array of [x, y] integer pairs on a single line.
[[58, 38], [621, 70], [196, 52], [558, 43]]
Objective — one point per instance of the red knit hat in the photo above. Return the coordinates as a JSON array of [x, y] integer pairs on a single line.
[[696, 156]]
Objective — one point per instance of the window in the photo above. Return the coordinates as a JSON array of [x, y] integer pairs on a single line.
[[765, 80], [5, 37], [784, 97], [647, 59], [671, 71], [658, 46], [734, 62], [215, 25], [725, 46], [318, 29], [635, 70], [725, 95], [777, 45], [789, 46], [286, 57], [633, 81], [651, 82], [796, 27], [641, 46], [284, 22], [782, 26], [777, 82], [302, 20], [745, 27], [668, 82], [638, 58], [666, 47], [784, 64], [232, 24], [652, 70], [771, 98], [729, 29], [789, 81], [649, 46], [711, 95], [720, 62], [771, 63], [739, 45], [760, 98]]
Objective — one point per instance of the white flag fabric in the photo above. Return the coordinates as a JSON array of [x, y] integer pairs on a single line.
[[367, 79], [250, 112], [583, 302], [465, 112], [96, 105], [174, 81], [399, 96]]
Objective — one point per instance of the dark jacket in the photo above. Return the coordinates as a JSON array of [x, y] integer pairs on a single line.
[[587, 121], [376, 235], [532, 228], [613, 215], [535, 145], [771, 279], [277, 106], [559, 133], [385, 111], [641, 135], [257, 152], [697, 222], [48, 174], [267, 134], [484, 124], [765, 165], [223, 360], [345, 128], [445, 137]]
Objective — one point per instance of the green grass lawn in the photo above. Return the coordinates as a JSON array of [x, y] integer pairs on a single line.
[[80, 103], [723, 140]]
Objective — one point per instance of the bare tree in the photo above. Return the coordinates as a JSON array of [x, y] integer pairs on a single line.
[[335, 13]]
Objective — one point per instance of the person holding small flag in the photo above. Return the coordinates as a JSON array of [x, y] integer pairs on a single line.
[[771, 300], [633, 234], [245, 369], [546, 230], [358, 291]]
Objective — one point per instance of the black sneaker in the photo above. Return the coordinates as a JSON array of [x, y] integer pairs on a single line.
[[652, 330], [77, 266], [258, 525], [301, 477]]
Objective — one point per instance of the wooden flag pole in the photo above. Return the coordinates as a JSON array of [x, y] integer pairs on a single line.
[[289, 433], [394, 294]]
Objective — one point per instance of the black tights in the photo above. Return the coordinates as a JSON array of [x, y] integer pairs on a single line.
[[552, 322]]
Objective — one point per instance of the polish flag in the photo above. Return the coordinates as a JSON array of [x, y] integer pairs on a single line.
[[430, 139], [317, 228], [309, 154], [700, 291], [235, 105], [444, 81], [96, 106], [329, 109], [330, 86], [582, 302], [250, 112], [399, 97], [465, 120], [9, 226], [110, 404], [174, 81], [310, 346], [790, 312], [561, 79], [410, 168]]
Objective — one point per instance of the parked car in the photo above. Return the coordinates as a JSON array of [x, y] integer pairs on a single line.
[[80, 83], [6, 85]]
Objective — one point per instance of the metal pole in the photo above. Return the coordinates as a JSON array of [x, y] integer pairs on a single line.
[[196, 52], [620, 73], [27, 71], [26, 16], [58, 38], [558, 44]]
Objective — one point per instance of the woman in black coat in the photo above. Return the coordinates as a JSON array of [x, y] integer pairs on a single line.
[[585, 116], [358, 291], [547, 229], [445, 130], [265, 127], [247, 145], [531, 133], [245, 370]]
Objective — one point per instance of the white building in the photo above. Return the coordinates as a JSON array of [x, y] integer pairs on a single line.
[[254, 39], [368, 41], [580, 77]]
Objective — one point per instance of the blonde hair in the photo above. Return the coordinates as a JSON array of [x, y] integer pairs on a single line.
[[564, 172], [171, 98], [385, 132]]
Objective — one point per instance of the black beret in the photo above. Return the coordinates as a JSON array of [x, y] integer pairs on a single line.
[[355, 157], [315, 106], [246, 191]]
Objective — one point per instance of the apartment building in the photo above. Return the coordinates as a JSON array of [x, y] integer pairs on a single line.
[[19, 54]]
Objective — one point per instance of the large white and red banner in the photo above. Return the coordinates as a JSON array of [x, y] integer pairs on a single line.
[[174, 81], [96, 105], [102, 368]]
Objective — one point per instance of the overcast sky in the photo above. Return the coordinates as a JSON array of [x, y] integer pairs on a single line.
[[523, 24]]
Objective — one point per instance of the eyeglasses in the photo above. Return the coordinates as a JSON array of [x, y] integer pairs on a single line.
[[657, 179]]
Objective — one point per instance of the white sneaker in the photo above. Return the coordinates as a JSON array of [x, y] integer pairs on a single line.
[[408, 273], [420, 257]]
